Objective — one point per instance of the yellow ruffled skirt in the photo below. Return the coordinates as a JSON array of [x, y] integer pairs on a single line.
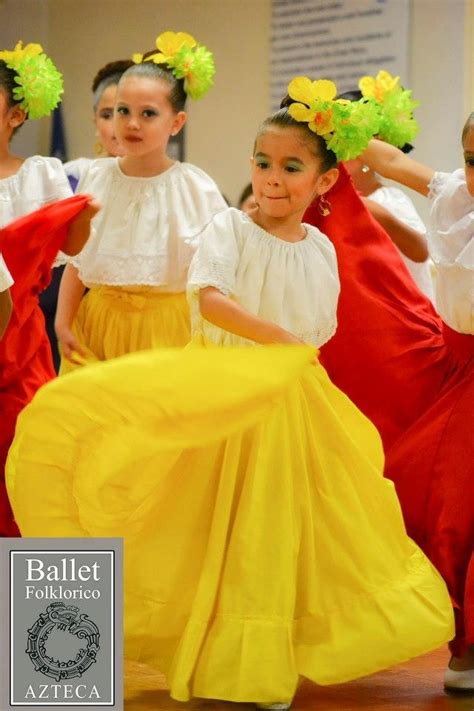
[[262, 543], [111, 322]]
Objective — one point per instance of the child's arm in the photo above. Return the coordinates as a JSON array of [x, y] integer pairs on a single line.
[[79, 229], [5, 310], [392, 163], [409, 241], [227, 314], [71, 291]]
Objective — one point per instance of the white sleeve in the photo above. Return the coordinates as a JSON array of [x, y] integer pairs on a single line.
[[6, 280], [55, 181], [217, 256]]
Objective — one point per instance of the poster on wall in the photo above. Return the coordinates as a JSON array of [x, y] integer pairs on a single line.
[[340, 40]]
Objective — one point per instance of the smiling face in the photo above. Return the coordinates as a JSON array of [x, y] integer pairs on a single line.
[[144, 119], [104, 116], [286, 174], [468, 148]]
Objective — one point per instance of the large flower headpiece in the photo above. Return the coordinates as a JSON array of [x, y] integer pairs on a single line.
[[40, 84], [187, 60], [346, 126], [397, 125]]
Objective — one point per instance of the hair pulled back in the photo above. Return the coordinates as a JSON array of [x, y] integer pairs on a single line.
[[150, 70], [8, 83], [468, 126], [282, 119]]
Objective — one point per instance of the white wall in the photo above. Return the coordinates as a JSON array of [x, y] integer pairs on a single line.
[[438, 79], [82, 35]]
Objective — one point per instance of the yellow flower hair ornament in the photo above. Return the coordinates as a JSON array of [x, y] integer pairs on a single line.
[[187, 60], [397, 125], [346, 126], [40, 84]]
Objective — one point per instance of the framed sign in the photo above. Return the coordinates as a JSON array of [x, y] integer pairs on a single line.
[[339, 40]]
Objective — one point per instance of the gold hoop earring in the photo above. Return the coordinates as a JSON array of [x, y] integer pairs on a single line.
[[324, 206], [98, 148]]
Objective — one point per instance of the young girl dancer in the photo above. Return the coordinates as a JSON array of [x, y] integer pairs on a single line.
[[154, 210], [432, 463], [262, 542], [30, 87]]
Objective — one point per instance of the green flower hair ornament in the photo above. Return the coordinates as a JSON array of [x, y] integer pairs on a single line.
[[397, 124], [40, 84], [346, 126], [187, 60]]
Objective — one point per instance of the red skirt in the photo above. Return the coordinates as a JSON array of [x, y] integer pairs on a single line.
[[432, 466], [413, 377], [29, 246]]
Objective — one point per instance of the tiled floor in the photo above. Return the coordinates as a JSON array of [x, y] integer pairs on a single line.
[[415, 686]]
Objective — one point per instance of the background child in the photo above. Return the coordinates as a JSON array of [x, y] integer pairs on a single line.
[[154, 209], [253, 466], [26, 185], [104, 88], [392, 99], [104, 91], [432, 463]]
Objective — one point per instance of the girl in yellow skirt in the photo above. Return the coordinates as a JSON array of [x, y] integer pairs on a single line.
[[262, 543], [153, 210]]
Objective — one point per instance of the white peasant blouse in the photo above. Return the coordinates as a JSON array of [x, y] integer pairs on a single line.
[[39, 181], [148, 229], [400, 205], [451, 245], [293, 284]]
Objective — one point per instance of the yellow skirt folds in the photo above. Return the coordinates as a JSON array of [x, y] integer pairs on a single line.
[[112, 322], [262, 543]]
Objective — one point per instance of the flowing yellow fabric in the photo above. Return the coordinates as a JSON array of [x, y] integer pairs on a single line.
[[112, 322], [262, 542]]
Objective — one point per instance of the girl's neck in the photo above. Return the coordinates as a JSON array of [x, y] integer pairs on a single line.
[[288, 229], [9, 164], [144, 166]]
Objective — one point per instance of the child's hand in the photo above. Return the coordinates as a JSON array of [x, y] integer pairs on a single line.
[[80, 227], [70, 346], [90, 211]]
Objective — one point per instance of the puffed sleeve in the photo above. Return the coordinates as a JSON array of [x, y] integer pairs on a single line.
[[54, 180], [216, 259]]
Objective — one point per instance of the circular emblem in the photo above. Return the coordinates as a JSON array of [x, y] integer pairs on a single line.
[[67, 619]]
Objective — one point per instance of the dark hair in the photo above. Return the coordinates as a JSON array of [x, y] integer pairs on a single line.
[[108, 76], [8, 83], [151, 70], [468, 126], [356, 95], [246, 193], [318, 145]]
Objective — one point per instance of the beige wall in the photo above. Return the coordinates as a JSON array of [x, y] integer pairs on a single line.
[[86, 34], [82, 35]]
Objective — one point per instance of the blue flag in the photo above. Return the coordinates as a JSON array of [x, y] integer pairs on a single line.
[[58, 147]]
